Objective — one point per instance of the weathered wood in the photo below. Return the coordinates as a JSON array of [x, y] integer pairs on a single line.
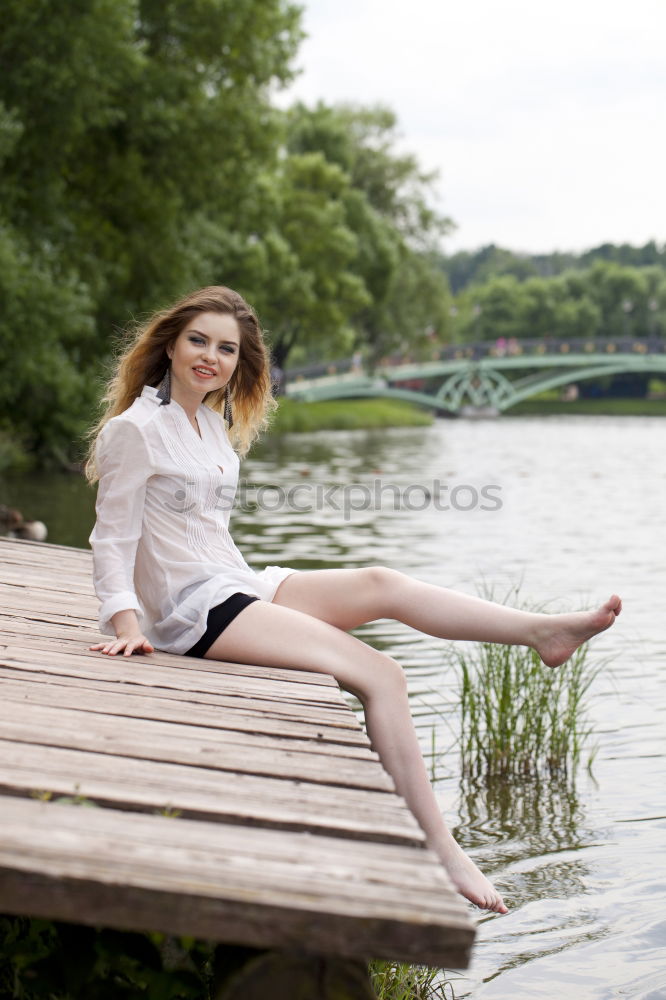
[[289, 833], [150, 740], [155, 670], [25, 551], [132, 670], [33, 597], [150, 786], [65, 582], [55, 618], [179, 722], [24, 649], [303, 683], [235, 715], [344, 725], [217, 882], [28, 635]]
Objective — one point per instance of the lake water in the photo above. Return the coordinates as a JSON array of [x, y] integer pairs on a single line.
[[570, 509]]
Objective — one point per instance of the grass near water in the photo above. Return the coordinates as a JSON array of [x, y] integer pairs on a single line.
[[347, 414], [603, 406], [517, 716], [356, 414], [397, 981]]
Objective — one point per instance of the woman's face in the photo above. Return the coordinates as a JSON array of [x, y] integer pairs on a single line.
[[203, 356]]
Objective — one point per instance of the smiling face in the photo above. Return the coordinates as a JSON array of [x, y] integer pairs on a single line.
[[203, 357]]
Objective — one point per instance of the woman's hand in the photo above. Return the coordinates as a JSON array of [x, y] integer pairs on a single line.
[[129, 638], [125, 644]]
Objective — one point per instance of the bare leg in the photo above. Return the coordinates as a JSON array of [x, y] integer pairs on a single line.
[[279, 636], [347, 598]]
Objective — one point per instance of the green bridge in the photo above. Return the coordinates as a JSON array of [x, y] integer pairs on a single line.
[[482, 377]]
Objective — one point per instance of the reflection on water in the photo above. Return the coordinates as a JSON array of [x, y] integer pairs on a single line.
[[544, 816], [581, 863], [63, 501]]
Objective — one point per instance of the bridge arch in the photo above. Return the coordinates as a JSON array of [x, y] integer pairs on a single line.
[[478, 387], [478, 378]]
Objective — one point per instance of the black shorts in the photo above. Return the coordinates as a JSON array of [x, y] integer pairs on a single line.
[[218, 618]]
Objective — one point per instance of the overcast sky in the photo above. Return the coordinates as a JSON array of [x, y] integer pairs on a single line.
[[545, 120]]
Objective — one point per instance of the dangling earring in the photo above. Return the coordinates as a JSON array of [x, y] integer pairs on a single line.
[[228, 415], [164, 388]]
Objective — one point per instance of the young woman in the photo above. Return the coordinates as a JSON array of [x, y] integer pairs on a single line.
[[189, 395]]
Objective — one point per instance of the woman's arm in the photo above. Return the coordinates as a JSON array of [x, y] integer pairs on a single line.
[[124, 466]]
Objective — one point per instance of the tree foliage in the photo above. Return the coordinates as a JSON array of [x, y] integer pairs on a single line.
[[478, 266], [141, 157], [297, 264], [132, 134], [388, 207], [606, 299], [142, 122]]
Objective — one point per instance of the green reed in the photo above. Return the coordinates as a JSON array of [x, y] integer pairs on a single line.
[[517, 715], [398, 981]]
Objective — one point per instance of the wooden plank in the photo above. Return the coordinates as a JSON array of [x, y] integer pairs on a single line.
[[149, 740], [76, 579], [345, 725], [259, 887], [124, 782], [149, 672], [46, 690], [16, 626], [34, 598], [64, 586], [27, 551], [42, 615], [147, 836], [66, 653], [213, 728]]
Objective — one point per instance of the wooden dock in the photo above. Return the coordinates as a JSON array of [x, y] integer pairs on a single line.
[[235, 803]]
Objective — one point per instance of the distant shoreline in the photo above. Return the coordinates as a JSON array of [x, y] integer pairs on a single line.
[[351, 414], [602, 406]]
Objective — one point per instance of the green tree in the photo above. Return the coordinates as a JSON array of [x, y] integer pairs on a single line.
[[134, 133], [621, 294], [45, 325], [604, 300], [297, 266], [550, 310], [142, 122], [492, 310], [45, 322], [653, 317], [388, 207], [476, 267]]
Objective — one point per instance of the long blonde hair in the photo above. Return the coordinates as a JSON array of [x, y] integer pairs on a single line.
[[144, 361]]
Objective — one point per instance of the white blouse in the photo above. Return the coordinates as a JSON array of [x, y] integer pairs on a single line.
[[161, 543]]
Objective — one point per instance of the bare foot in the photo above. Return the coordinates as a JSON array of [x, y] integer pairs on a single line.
[[468, 880], [559, 636]]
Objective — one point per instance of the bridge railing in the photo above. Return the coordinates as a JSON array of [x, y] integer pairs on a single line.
[[501, 348], [552, 346]]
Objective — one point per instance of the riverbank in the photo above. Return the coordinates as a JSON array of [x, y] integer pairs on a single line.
[[605, 406], [351, 414], [347, 414]]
